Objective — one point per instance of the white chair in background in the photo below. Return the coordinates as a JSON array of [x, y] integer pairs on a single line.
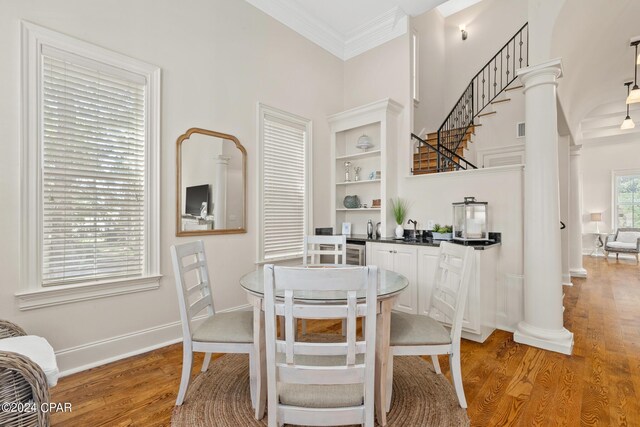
[[319, 383], [219, 332], [316, 247], [417, 335]]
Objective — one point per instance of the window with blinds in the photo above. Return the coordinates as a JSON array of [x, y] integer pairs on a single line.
[[92, 170], [284, 182]]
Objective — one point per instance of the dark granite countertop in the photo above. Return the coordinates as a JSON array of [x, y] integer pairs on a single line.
[[356, 238]]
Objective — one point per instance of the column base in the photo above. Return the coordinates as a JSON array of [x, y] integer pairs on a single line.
[[566, 280], [578, 272], [558, 340]]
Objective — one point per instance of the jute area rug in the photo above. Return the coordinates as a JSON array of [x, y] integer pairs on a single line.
[[220, 396]]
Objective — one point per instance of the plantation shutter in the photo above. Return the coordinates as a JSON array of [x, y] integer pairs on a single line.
[[93, 170], [284, 172]]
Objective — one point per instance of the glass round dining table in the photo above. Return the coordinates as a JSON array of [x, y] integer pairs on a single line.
[[390, 285]]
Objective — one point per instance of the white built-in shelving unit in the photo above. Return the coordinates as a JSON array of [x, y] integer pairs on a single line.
[[379, 121]]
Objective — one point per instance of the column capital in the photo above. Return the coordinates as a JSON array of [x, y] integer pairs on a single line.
[[544, 73]]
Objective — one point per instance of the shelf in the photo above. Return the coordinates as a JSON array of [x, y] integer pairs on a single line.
[[357, 209], [359, 155], [364, 181]]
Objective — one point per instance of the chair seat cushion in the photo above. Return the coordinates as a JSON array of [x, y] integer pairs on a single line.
[[321, 396], [411, 329], [232, 327], [622, 245], [628, 237], [38, 350]]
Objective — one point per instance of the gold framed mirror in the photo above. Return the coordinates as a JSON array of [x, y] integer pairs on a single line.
[[211, 190]]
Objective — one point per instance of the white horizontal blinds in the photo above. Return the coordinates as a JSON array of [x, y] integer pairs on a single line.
[[93, 172], [284, 187]]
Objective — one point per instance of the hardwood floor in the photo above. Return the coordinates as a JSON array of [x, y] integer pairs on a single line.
[[506, 384]]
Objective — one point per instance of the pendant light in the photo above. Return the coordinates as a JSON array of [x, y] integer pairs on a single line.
[[634, 96], [627, 123]]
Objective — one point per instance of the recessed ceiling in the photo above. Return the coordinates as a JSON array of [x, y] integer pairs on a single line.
[[347, 28], [593, 43]]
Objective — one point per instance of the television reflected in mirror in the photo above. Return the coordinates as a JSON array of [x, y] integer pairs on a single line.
[[211, 177], [197, 200]]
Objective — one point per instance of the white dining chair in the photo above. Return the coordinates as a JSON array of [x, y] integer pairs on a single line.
[[219, 332], [418, 335], [317, 247], [320, 383]]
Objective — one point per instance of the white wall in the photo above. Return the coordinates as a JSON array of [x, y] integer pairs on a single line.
[[490, 24], [598, 163], [429, 114], [563, 176], [218, 59], [384, 72], [498, 131], [448, 63]]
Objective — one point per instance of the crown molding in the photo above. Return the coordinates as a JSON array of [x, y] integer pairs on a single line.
[[387, 26], [293, 16]]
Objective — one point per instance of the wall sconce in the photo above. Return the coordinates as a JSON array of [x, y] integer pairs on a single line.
[[463, 30], [634, 96], [627, 123]]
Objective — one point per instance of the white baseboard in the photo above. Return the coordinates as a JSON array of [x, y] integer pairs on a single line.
[[86, 356], [578, 272]]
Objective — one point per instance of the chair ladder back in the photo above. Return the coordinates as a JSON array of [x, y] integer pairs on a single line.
[[451, 284], [293, 370], [192, 298], [313, 248]]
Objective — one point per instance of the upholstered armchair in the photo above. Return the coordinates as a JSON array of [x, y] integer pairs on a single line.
[[625, 240], [27, 369]]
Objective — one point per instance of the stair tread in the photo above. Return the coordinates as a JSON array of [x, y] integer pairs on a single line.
[[487, 114], [501, 100]]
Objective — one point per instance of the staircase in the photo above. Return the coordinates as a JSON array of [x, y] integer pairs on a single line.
[[443, 151], [425, 159]]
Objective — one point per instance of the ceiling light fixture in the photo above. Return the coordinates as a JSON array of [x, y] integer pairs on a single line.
[[463, 30], [627, 123], [634, 96]]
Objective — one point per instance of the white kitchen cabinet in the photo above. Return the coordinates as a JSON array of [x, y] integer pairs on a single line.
[[418, 264], [427, 261], [401, 259], [479, 318]]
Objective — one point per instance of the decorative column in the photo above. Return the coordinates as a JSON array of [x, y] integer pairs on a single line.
[[575, 213], [543, 321], [220, 206]]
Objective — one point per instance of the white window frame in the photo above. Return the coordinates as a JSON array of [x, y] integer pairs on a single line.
[[415, 66], [263, 110], [614, 193], [32, 294]]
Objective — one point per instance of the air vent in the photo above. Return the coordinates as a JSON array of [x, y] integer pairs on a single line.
[[520, 130]]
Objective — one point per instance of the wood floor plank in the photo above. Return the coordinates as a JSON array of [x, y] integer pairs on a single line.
[[506, 383]]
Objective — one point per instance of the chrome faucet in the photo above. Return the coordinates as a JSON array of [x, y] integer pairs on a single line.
[[415, 225]]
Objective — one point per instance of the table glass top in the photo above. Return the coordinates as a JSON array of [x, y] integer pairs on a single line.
[[389, 284]]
